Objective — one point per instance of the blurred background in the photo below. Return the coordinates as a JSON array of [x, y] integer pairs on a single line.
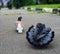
[[20, 3]]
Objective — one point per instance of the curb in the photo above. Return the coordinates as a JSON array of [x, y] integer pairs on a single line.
[[49, 10]]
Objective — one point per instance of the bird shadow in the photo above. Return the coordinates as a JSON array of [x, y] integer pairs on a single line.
[[50, 46]]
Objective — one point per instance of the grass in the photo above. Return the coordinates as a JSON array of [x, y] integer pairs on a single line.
[[45, 6]]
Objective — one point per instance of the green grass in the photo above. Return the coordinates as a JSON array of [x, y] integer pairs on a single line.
[[45, 6]]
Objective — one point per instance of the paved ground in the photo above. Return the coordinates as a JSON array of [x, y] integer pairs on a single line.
[[13, 43]]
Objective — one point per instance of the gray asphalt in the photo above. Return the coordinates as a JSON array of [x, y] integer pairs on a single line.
[[13, 43]]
